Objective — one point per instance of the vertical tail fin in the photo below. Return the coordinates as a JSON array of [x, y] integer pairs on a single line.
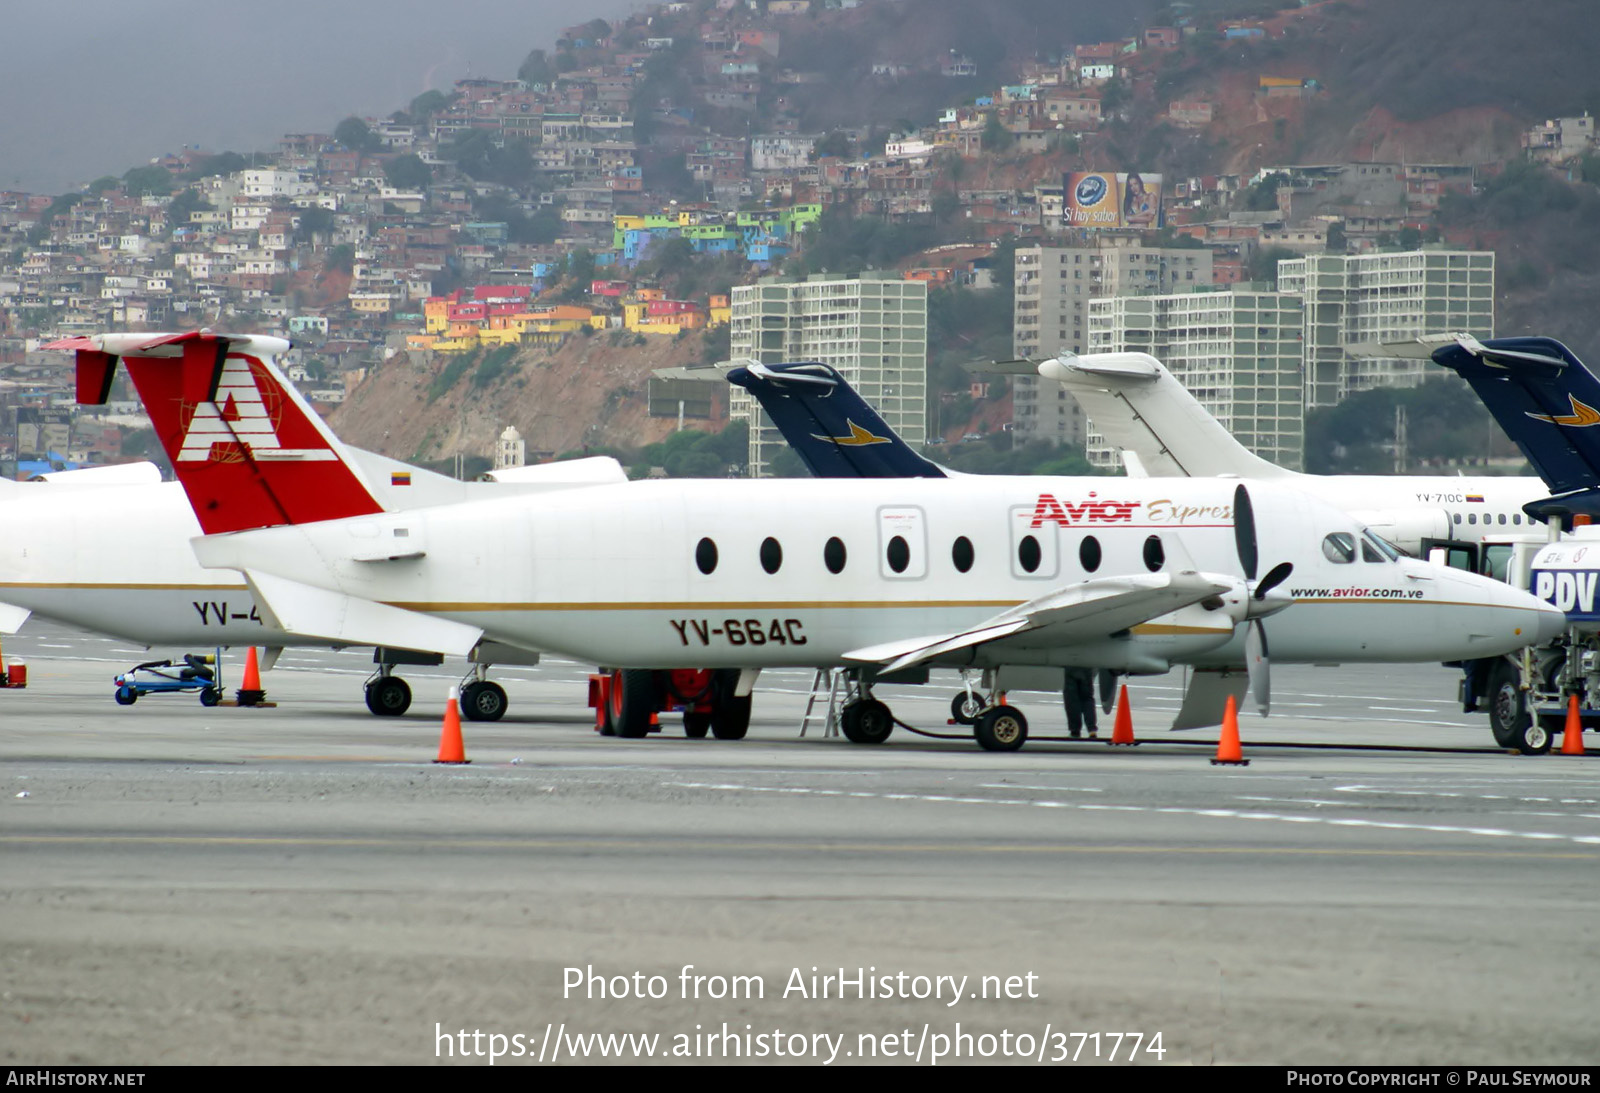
[[247, 448], [836, 433], [1542, 396], [1137, 405]]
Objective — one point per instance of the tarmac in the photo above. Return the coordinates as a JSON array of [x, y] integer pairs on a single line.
[[182, 884]]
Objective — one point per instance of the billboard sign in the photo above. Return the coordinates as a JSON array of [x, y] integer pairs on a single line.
[[1102, 199]]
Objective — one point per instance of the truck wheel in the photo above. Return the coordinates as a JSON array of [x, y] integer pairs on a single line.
[[1538, 734], [730, 715], [1508, 707], [695, 724], [633, 698]]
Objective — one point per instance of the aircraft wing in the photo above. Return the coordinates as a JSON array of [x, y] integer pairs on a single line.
[[12, 618], [1081, 613], [1541, 394], [831, 427]]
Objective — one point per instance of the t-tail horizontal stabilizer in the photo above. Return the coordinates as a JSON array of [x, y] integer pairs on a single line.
[[1545, 399], [831, 427], [248, 449], [333, 616]]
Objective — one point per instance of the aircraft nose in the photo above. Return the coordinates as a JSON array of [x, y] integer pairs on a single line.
[[1551, 624]]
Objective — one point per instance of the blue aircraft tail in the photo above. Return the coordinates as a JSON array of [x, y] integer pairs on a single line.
[[831, 427], [1548, 402]]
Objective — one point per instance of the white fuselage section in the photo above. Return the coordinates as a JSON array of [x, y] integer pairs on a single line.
[[117, 560], [618, 575]]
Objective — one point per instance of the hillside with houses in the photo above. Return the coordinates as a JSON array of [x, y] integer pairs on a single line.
[[475, 257]]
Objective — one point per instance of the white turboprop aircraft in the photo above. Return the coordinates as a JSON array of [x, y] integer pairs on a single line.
[[880, 577], [1162, 430], [108, 549]]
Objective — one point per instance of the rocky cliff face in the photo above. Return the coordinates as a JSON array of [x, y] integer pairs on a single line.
[[589, 392]]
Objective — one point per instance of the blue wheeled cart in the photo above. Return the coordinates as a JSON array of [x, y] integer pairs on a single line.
[[196, 672]]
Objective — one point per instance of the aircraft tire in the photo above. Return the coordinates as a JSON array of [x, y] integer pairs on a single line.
[[388, 696], [210, 696], [633, 697], [696, 725], [1508, 708], [1539, 733], [126, 696], [866, 721], [484, 700], [965, 708], [1001, 728]]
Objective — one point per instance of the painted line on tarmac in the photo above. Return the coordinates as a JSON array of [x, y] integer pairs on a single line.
[[1467, 796], [632, 843], [1213, 813]]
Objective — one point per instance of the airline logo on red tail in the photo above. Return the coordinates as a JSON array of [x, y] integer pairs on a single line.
[[243, 413]]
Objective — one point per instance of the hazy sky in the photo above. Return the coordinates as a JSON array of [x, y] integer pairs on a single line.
[[93, 87]]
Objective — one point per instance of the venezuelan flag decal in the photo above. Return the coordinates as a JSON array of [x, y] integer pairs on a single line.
[[400, 478]]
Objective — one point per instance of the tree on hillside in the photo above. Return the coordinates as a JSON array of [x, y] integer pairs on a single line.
[[147, 180], [408, 172], [429, 102], [354, 134], [537, 68]]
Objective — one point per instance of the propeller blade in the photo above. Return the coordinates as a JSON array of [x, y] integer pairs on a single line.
[[1244, 531], [1275, 576], [1258, 666], [1108, 689]]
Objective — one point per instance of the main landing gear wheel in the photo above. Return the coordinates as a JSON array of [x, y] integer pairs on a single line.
[[390, 696], [483, 700], [730, 715], [1001, 728], [633, 700], [696, 725], [866, 721], [965, 708]]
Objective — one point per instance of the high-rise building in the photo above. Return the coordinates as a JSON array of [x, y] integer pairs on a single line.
[[1237, 351], [872, 328], [1053, 288], [1367, 298]]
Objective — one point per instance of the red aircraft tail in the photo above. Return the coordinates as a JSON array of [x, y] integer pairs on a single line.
[[248, 449]]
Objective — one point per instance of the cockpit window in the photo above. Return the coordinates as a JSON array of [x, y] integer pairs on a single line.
[[1385, 550], [1339, 547]]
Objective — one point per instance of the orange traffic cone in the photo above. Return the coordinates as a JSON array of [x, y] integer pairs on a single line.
[[250, 692], [1228, 750], [451, 747], [1122, 727], [1572, 738]]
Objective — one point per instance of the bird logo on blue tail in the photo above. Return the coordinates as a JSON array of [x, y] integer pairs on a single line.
[[860, 437], [1582, 415]]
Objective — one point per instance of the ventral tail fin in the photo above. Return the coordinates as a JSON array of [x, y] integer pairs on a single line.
[[832, 428], [248, 449]]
